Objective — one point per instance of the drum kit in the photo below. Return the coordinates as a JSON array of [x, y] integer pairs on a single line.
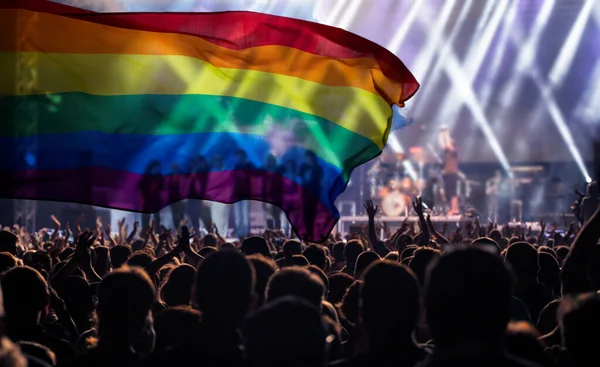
[[393, 193]]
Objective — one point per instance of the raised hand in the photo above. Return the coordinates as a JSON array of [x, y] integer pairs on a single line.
[[86, 240], [56, 222], [418, 206], [371, 208], [405, 225], [82, 250], [542, 225], [183, 244], [150, 228], [430, 223]]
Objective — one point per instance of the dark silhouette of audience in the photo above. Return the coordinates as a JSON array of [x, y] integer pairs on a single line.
[[173, 299]]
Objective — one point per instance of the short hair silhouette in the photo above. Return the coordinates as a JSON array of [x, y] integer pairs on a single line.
[[119, 255], [26, 293], [299, 260], [210, 240], [255, 245], [140, 259], [296, 281], [321, 274], [351, 251], [7, 261], [392, 256], [338, 285], [207, 250], [264, 268], [175, 326], [224, 287], [338, 251], [177, 288], [363, 261], [289, 331], [292, 247], [486, 242], [421, 258], [390, 296], [8, 242], [125, 299], [316, 255], [468, 297], [523, 259]]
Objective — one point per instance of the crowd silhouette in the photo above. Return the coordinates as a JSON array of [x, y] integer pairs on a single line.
[[487, 295]]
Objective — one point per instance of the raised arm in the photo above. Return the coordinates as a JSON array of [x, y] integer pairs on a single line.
[[575, 274]]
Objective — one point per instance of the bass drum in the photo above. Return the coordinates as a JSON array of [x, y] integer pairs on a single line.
[[394, 204]]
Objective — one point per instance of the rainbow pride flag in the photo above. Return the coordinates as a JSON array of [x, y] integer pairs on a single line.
[[136, 111]]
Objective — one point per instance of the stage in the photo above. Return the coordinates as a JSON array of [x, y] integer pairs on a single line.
[[348, 224]]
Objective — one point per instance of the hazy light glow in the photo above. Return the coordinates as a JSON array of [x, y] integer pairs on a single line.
[[335, 12], [407, 22], [560, 123], [463, 79], [433, 76], [349, 14], [499, 52], [477, 53], [526, 53], [426, 55], [569, 49], [548, 101]]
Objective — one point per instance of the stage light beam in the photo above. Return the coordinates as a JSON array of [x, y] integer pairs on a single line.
[[426, 55], [349, 14], [550, 103], [526, 53], [409, 18], [569, 48]]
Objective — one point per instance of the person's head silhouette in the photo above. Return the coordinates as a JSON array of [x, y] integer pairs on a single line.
[[296, 281], [523, 259], [264, 268], [8, 242], [255, 245], [363, 261], [224, 288], [26, 295], [316, 255], [391, 301], [125, 300], [176, 291], [289, 331], [351, 251], [421, 258], [468, 297]]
